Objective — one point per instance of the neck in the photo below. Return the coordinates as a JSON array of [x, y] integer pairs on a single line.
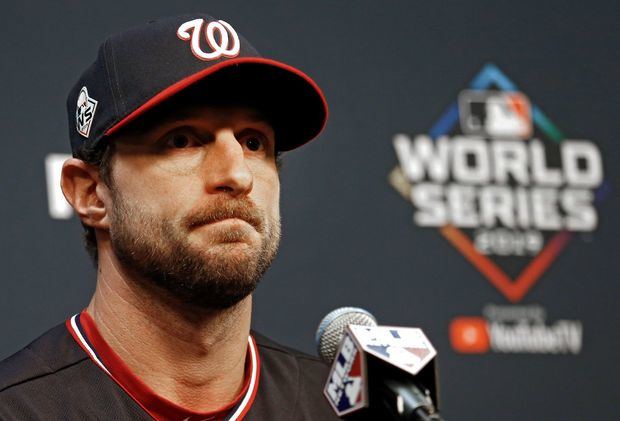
[[191, 356]]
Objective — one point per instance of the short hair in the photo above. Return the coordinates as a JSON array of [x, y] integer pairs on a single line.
[[100, 154]]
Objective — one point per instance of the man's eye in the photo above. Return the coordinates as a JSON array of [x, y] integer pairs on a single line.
[[179, 141], [254, 143]]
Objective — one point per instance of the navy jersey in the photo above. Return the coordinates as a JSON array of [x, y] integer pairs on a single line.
[[66, 375]]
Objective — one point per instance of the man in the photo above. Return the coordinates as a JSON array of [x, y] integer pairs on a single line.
[[176, 131]]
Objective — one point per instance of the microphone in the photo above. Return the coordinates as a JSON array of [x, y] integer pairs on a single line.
[[378, 372]]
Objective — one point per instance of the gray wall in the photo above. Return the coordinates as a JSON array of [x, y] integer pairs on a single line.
[[386, 67]]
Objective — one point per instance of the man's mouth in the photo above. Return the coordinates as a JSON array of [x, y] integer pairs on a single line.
[[228, 230], [232, 221], [227, 213]]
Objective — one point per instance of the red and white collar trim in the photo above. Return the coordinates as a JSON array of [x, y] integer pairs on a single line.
[[83, 329]]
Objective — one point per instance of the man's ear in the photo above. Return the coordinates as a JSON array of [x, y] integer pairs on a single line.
[[86, 192]]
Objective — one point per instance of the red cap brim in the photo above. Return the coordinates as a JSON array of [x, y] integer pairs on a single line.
[[305, 121]]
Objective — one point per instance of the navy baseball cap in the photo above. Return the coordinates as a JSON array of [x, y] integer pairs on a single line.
[[140, 68]]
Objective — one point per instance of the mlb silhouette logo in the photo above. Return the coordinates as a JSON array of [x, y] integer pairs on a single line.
[[346, 389], [495, 114]]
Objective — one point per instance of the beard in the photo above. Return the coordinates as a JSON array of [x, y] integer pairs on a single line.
[[158, 251]]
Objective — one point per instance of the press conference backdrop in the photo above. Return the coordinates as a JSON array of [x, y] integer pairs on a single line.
[[464, 184]]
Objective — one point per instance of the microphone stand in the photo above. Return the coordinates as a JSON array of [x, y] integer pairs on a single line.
[[403, 400]]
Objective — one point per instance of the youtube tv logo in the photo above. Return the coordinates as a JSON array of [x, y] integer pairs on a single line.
[[470, 335], [521, 331]]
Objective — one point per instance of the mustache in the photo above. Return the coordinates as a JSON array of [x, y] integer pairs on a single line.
[[225, 209]]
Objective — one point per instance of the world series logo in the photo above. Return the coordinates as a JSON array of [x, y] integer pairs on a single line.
[[504, 185]]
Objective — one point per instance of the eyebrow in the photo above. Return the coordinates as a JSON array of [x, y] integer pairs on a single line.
[[156, 122], [187, 114]]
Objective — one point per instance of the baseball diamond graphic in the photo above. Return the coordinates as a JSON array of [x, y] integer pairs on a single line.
[[516, 285]]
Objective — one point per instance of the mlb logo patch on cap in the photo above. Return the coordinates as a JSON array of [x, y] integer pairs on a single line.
[[85, 112]]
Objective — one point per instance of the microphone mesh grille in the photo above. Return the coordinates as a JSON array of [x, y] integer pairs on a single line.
[[331, 329]]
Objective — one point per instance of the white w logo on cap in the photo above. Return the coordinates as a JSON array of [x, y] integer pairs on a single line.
[[191, 29]]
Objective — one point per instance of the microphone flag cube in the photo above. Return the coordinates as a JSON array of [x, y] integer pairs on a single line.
[[366, 349]]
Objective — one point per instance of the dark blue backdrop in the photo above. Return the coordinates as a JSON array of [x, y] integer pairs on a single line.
[[386, 68]]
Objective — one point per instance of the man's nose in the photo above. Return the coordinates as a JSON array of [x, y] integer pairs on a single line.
[[226, 168]]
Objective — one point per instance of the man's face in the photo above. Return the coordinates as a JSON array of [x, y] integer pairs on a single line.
[[196, 203]]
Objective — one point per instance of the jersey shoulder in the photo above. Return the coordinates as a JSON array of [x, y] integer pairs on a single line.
[[53, 378], [291, 382], [52, 352]]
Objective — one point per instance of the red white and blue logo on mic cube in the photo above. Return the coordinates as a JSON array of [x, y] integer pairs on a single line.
[[404, 347], [346, 388]]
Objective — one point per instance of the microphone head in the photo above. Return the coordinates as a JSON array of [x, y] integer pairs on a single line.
[[331, 329]]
